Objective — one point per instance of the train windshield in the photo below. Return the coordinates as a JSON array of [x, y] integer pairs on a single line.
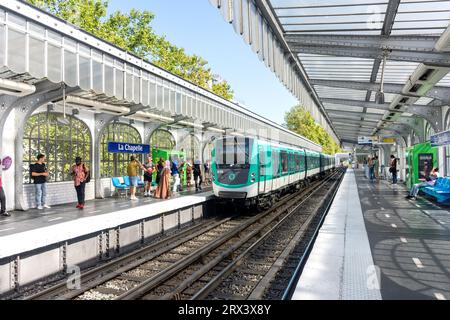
[[233, 153]]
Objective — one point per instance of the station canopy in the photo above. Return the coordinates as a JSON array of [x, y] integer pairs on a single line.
[[342, 46]]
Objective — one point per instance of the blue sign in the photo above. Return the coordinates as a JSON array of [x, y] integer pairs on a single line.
[[440, 139], [123, 147]]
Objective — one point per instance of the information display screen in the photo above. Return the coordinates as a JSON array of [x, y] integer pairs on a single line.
[[425, 165]]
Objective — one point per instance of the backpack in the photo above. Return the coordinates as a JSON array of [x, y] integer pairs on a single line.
[[88, 177]]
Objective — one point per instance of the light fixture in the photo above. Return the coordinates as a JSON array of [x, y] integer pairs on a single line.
[[379, 96], [131, 121], [75, 112]]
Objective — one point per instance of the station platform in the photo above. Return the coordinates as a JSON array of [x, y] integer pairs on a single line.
[[65, 236], [376, 244]]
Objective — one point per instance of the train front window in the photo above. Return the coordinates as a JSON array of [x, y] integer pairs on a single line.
[[233, 153]]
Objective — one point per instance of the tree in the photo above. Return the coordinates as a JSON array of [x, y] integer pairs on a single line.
[[133, 32], [223, 89], [301, 121]]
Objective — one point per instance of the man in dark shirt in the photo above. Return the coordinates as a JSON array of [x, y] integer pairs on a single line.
[[39, 174], [393, 169], [197, 175]]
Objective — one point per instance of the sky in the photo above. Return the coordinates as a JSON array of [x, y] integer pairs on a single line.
[[199, 28]]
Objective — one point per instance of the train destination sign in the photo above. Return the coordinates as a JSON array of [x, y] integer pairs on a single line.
[[123, 147], [367, 140], [440, 139]]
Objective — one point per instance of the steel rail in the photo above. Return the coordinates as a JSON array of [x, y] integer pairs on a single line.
[[138, 256]]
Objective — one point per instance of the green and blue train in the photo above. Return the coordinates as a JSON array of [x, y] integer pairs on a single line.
[[257, 172]]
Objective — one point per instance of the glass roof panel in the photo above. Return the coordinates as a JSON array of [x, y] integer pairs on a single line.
[[340, 93], [397, 71], [424, 101], [345, 16], [429, 16], [336, 68], [377, 111], [445, 81], [330, 106]]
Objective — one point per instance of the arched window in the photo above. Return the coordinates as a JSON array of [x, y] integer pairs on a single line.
[[115, 164], [447, 148], [162, 139], [58, 142], [207, 152], [428, 131], [191, 146], [414, 138]]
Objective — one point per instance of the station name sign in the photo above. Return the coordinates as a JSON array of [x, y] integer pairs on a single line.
[[123, 147], [367, 140], [440, 139]]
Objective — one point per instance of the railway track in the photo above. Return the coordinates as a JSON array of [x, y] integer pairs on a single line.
[[201, 261]]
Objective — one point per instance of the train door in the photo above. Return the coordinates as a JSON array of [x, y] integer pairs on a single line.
[[262, 170]]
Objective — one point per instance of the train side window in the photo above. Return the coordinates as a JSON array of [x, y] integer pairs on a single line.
[[302, 162], [284, 162], [291, 162], [275, 163], [262, 162]]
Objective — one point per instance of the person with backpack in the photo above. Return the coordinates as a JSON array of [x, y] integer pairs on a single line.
[[148, 176], [81, 176], [197, 175]]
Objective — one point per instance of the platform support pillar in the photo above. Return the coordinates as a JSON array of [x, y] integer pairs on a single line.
[[101, 122]]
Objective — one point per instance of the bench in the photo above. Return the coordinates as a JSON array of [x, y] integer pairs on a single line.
[[120, 185], [440, 191]]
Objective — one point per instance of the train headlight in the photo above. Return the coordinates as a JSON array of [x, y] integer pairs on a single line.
[[253, 180], [213, 178], [253, 174]]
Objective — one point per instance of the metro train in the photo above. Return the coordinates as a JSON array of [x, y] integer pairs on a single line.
[[255, 172]]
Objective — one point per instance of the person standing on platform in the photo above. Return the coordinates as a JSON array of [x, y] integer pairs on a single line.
[[376, 166], [175, 175], [393, 169], [207, 173], [371, 164], [182, 172], [5, 164], [197, 175], [429, 181], [39, 174], [159, 169], [3, 211], [133, 172], [188, 174], [148, 176], [80, 174], [163, 188]]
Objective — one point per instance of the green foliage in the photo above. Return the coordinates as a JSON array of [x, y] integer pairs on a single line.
[[223, 89], [301, 121], [133, 32]]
